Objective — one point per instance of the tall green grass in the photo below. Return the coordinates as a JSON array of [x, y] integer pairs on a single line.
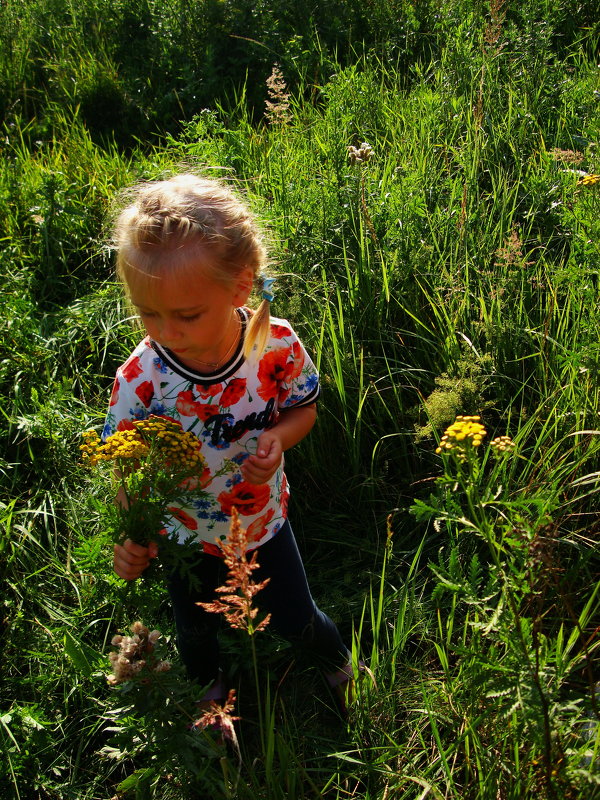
[[454, 272]]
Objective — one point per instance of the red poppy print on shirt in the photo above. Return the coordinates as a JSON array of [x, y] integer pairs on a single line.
[[258, 528], [188, 407], [185, 519], [125, 425], [145, 391], [114, 397], [285, 496], [209, 391], [132, 368], [197, 481], [298, 364], [233, 393], [211, 549], [272, 370], [248, 498], [206, 411], [279, 331]]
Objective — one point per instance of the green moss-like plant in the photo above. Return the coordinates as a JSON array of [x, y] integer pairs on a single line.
[[456, 392]]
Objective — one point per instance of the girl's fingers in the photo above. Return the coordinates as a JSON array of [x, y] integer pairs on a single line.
[[269, 445], [257, 474], [131, 559], [260, 467], [136, 550]]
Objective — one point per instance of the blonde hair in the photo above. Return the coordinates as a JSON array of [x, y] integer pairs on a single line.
[[184, 221]]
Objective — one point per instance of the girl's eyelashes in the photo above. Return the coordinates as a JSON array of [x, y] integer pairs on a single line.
[[189, 318], [182, 317]]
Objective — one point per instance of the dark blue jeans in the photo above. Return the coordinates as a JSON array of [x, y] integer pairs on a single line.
[[287, 597]]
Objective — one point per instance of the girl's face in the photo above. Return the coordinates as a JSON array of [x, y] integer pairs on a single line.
[[192, 315]]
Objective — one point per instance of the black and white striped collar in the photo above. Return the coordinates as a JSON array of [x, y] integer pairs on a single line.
[[221, 374]]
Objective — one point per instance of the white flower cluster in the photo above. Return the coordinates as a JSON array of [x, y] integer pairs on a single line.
[[135, 654], [360, 155]]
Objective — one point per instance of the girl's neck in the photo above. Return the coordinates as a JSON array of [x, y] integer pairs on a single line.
[[225, 350]]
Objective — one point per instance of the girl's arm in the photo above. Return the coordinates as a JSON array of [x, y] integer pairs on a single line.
[[293, 425]]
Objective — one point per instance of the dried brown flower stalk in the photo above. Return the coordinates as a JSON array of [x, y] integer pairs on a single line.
[[567, 156], [220, 718], [278, 105], [239, 589], [493, 29], [512, 253]]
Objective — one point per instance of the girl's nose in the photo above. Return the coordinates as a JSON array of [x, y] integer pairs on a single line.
[[169, 331]]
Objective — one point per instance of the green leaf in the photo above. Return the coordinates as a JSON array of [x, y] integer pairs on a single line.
[[424, 511], [84, 658], [131, 781]]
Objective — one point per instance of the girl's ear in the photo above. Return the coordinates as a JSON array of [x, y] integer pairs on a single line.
[[243, 286]]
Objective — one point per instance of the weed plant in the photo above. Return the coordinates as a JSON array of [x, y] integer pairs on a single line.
[[431, 190]]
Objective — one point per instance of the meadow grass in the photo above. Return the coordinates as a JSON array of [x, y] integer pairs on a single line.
[[454, 271]]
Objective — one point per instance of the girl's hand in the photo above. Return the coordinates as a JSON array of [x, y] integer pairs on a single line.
[[263, 465], [131, 559]]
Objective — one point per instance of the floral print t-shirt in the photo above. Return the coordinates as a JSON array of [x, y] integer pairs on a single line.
[[227, 410]]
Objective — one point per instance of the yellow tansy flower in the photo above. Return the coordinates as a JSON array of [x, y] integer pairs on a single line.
[[589, 180], [465, 432]]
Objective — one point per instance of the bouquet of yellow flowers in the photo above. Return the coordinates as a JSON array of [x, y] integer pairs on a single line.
[[155, 468]]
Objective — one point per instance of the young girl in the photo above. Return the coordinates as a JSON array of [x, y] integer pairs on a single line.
[[189, 254]]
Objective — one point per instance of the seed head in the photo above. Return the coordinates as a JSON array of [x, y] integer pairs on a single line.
[[135, 654], [361, 154], [567, 156], [501, 445], [278, 104], [220, 717], [239, 589]]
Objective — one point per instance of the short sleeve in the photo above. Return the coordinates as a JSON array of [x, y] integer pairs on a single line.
[[300, 386]]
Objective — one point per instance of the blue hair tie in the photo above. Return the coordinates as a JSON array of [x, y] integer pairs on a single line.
[[267, 284]]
